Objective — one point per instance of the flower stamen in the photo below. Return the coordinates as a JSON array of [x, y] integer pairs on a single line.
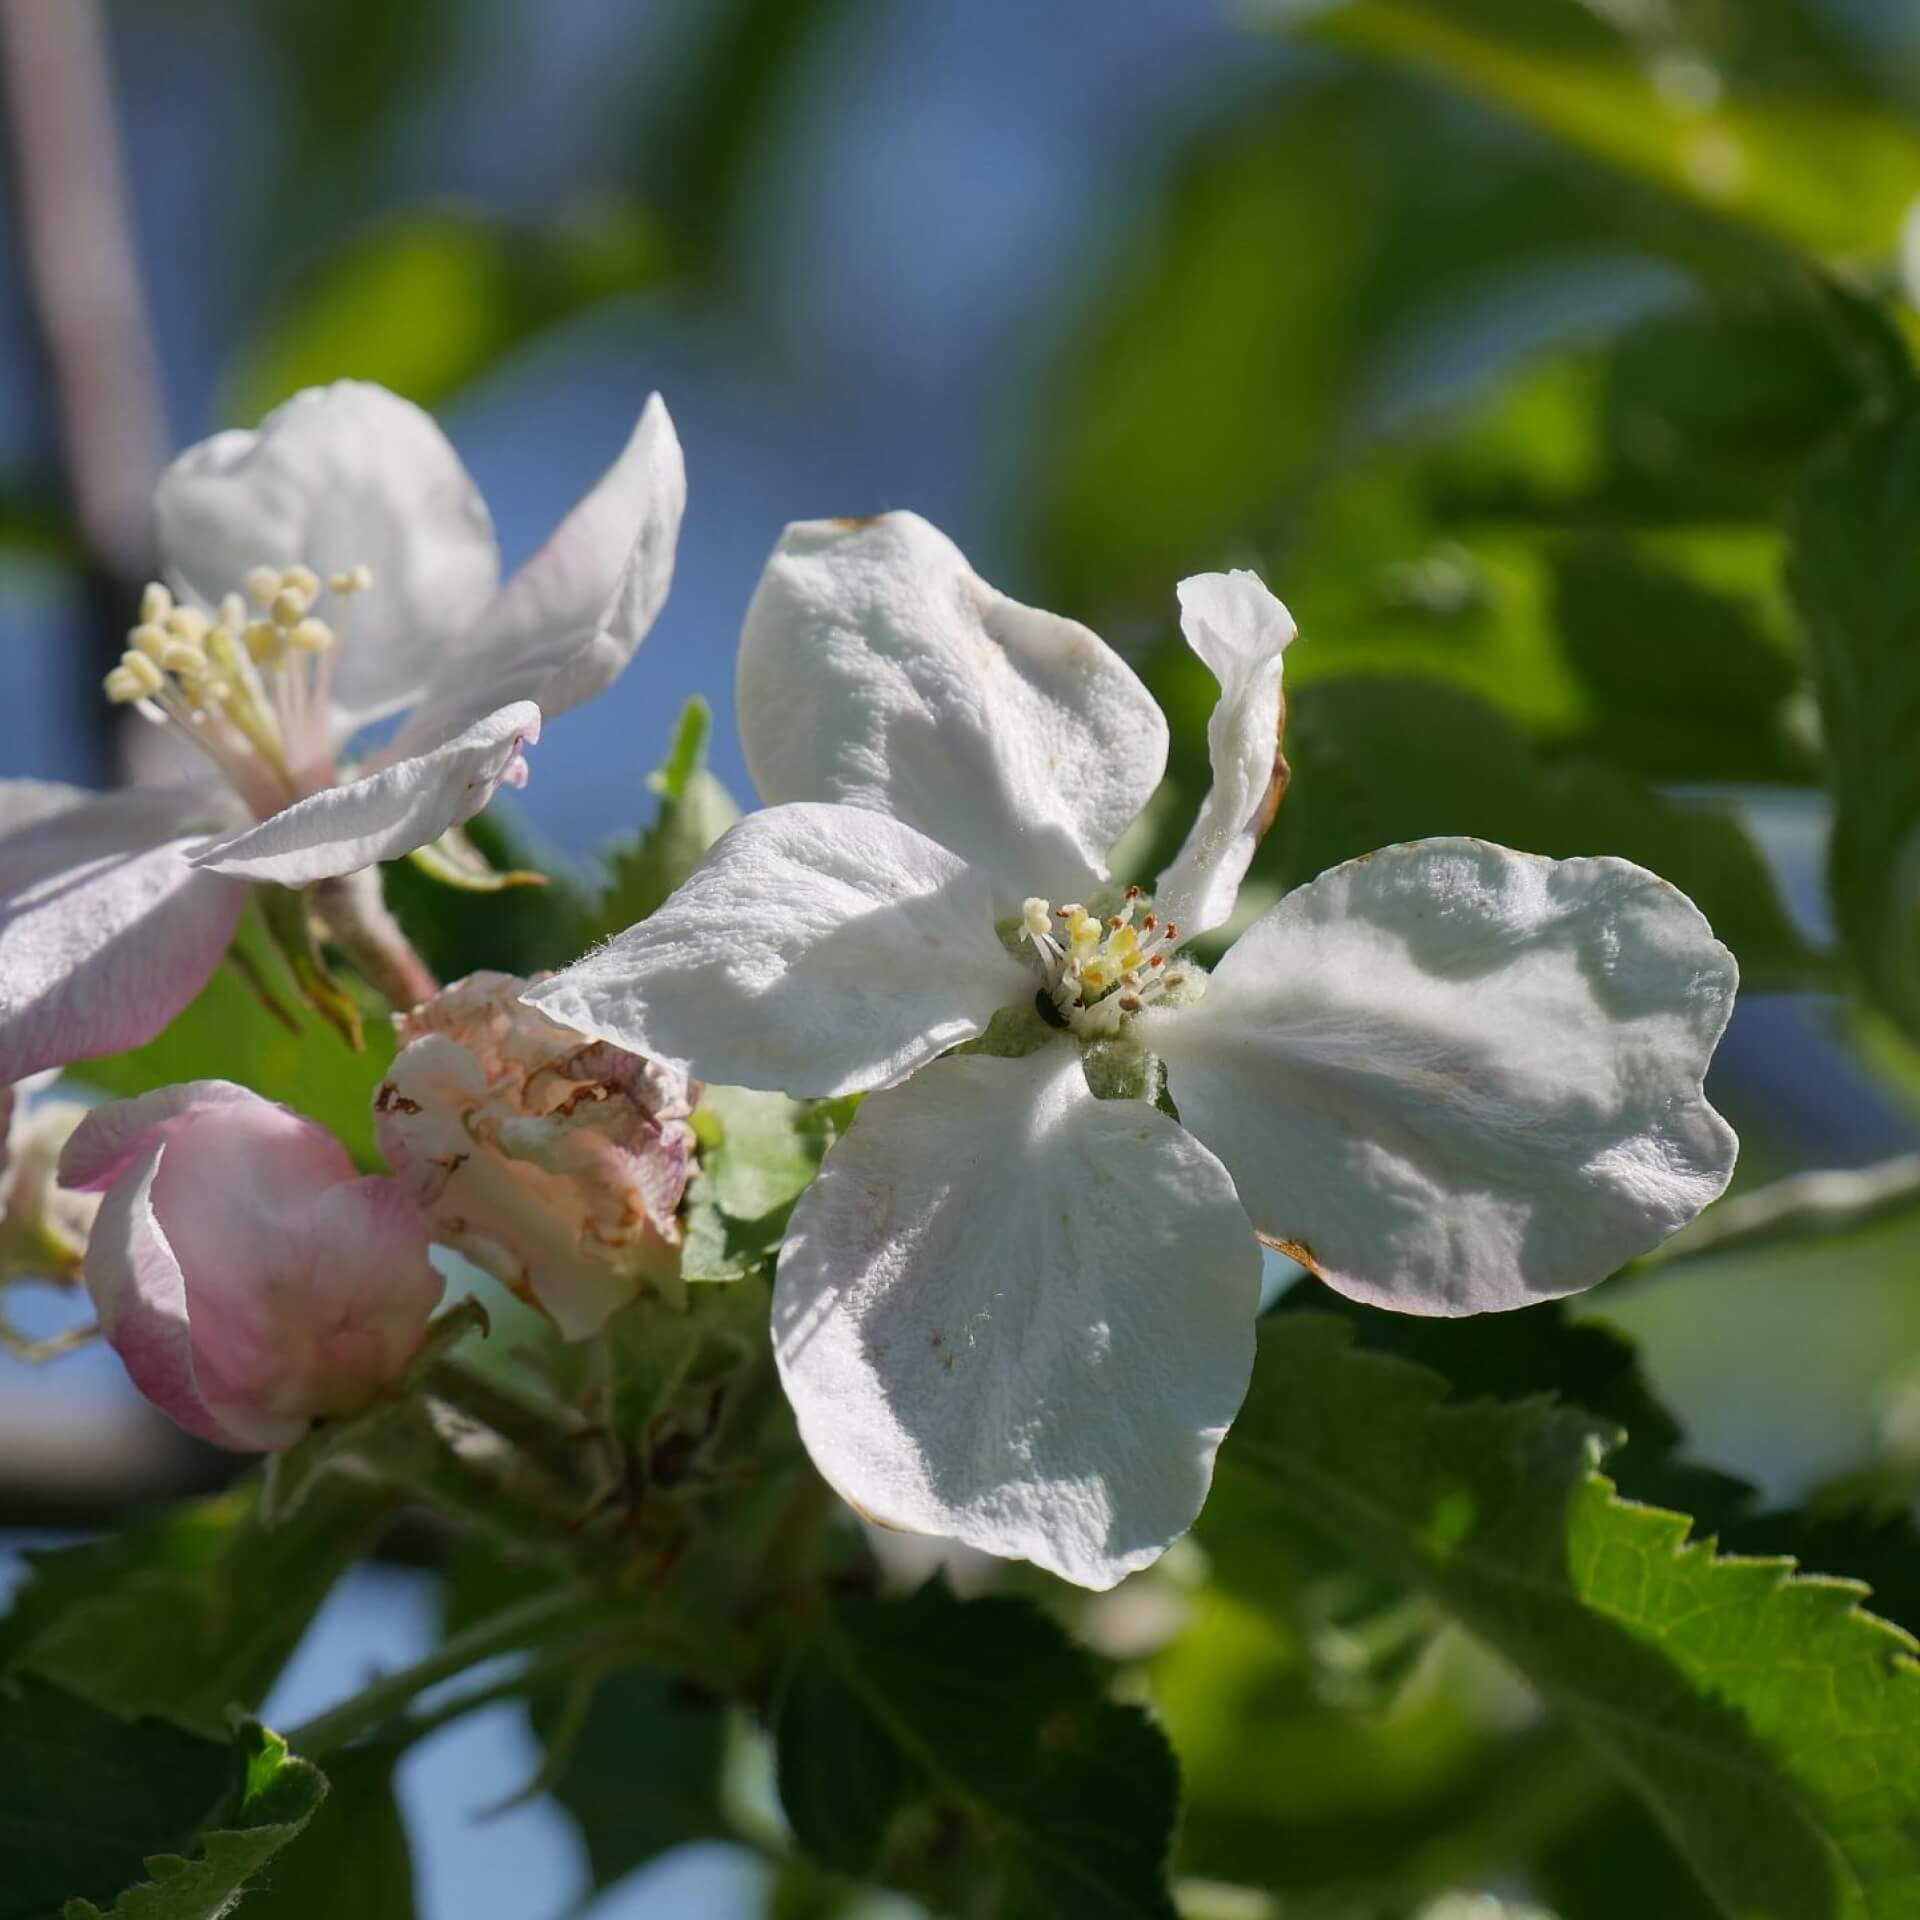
[[250, 694], [1099, 971]]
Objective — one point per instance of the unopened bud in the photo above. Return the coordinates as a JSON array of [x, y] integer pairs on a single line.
[[249, 1278]]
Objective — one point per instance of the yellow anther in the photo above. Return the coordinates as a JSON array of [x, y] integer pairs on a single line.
[[263, 639], [122, 688], [188, 624], [289, 607], [144, 671], [311, 636], [1037, 916], [233, 612], [1084, 932], [356, 579], [183, 658], [149, 639], [303, 580], [262, 583], [1124, 945], [155, 604]]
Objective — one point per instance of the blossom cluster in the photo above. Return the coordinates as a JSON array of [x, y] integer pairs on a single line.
[[1016, 1308]]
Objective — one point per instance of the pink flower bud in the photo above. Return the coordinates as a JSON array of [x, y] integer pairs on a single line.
[[556, 1164], [43, 1230], [250, 1280]]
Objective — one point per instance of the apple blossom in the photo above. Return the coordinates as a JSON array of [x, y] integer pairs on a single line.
[[323, 572], [1015, 1309], [43, 1228], [556, 1165], [248, 1278]]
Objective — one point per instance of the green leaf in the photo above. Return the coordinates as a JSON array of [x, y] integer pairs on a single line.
[[226, 1032], [1296, 248], [1854, 571], [1772, 1726], [426, 301], [520, 929], [1377, 761], [85, 1796], [900, 1719], [641, 1770], [188, 1614], [353, 1861], [278, 1798], [695, 810], [757, 1153], [1687, 110]]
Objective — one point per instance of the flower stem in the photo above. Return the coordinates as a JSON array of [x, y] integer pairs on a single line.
[[353, 910], [531, 1624]]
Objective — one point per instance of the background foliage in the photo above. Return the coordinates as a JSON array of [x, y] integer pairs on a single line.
[[1554, 360]]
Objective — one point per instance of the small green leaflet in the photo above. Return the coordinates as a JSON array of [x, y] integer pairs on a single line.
[[695, 810], [278, 1799], [136, 1818], [1772, 1726]]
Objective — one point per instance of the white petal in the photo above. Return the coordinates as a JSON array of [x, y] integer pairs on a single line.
[[815, 951], [337, 476], [1240, 630], [386, 813], [106, 929], [1454, 1079], [877, 668], [1017, 1316], [565, 626]]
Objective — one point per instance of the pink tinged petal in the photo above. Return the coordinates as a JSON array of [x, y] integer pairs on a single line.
[[106, 928], [384, 814], [372, 1292], [814, 951], [1455, 1079], [878, 669], [565, 626], [1240, 630], [250, 1279], [140, 1295], [1011, 1314], [113, 1136], [338, 476]]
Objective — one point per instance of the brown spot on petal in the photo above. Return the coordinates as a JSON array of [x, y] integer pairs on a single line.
[[855, 525], [1294, 1250], [391, 1100], [1277, 783]]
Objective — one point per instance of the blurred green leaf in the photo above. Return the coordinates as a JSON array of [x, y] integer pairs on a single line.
[[1677, 102], [1297, 1781], [189, 1613], [227, 1033], [639, 1770], [1299, 248], [904, 1725], [711, 142], [352, 1862], [427, 301], [1378, 761], [1854, 571], [1772, 1725], [278, 1798]]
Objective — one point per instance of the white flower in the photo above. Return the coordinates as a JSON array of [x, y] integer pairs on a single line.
[[1449, 1077], [328, 570]]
